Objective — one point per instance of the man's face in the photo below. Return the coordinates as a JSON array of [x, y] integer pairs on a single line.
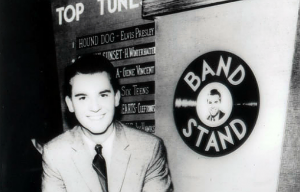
[[93, 101], [213, 102]]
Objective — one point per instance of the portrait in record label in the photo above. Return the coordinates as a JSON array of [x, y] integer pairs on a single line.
[[216, 103]]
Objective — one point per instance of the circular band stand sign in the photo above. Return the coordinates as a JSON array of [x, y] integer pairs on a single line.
[[216, 103]]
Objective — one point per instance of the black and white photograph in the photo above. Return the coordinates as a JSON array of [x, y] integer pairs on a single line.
[[150, 96]]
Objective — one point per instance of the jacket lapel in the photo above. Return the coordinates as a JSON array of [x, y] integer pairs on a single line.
[[83, 161], [120, 159]]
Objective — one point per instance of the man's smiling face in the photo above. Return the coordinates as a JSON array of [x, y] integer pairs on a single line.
[[93, 101], [213, 102]]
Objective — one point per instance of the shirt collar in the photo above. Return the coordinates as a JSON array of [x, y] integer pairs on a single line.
[[107, 144]]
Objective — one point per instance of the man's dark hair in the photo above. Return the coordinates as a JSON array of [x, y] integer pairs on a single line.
[[215, 92], [90, 64]]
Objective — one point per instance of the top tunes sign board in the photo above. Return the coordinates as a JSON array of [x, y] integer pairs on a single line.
[[216, 103], [116, 30]]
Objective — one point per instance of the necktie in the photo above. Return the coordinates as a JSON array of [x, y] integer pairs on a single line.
[[100, 167]]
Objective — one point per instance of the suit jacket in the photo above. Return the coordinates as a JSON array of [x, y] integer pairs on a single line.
[[221, 115], [138, 163]]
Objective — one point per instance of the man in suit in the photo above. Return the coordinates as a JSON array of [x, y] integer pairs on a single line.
[[100, 153], [214, 101]]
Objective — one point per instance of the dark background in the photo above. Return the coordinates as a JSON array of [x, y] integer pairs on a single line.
[[29, 94]]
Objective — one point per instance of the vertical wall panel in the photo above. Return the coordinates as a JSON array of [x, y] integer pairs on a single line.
[[262, 33], [290, 163]]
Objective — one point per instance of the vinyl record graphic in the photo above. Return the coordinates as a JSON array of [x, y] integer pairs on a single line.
[[216, 103]]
